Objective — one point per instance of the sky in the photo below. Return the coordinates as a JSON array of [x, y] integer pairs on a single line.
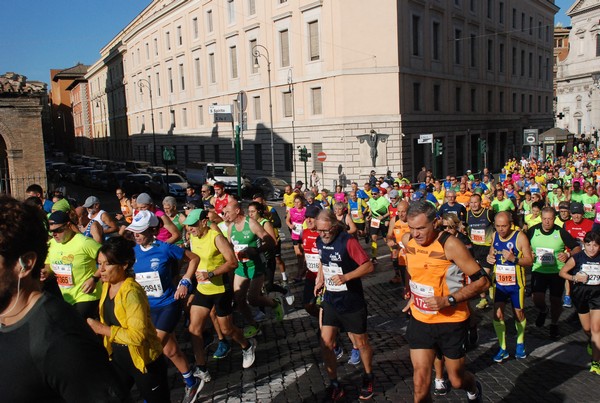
[[40, 35]]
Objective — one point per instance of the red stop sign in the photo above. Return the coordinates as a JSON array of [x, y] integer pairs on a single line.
[[321, 156]]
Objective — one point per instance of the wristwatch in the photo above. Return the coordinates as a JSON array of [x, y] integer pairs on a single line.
[[211, 275], [96, 279], [452, 300]]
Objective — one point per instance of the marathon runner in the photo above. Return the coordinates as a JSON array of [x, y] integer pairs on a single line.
[[379, 219], [109, 226], [577, 227]]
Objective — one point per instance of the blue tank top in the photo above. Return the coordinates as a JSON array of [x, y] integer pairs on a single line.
[[508, 273]]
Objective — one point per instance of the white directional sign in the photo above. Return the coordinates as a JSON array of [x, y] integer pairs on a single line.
[[212, 109], [425, 139]]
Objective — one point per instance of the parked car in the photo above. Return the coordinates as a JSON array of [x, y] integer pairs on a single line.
[[115, 166], [156, 170], [137, 166], [176, 185], [89, 178], [80, 173], [199, 173], [272, 188], [116, 179], [136, 183], [102, 164]]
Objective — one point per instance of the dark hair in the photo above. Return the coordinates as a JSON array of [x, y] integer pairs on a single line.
[[592, 236], [538, 204], [119, 250], [23, 228], [422, 207], [34, 201], [260, 208], [35, 188]]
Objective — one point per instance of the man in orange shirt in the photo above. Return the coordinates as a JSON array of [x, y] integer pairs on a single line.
[[463, 196], [397, 228]]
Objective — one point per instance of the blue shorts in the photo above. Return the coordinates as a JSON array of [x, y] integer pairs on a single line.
[[515, 293], [166, 318]]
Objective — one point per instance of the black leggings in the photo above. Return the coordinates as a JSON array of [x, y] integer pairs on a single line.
[[153, 385], [270, 285]]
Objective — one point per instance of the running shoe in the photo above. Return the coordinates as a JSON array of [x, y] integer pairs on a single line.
[[338, 351], [554, 334], [520, 352], [441, 387], [501, 356], [278, 309], [260, 316], [541, 319], [249, 355], [289, 297], [334, 393], [396, 280], [482, 304], [478, 397], [223, 349], [567, 303], [595, 368], [366, 390], [589, 348], [191, 393], [202, 375], [251, 331], [354, 357]]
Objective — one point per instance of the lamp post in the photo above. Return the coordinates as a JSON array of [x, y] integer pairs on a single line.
[[256, 51], [145, 83]]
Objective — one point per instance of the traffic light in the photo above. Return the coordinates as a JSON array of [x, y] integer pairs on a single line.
[[438, 148], [304, 154], [482, 146]]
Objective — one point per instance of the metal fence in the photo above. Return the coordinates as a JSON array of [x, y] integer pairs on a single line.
[[15, 186]]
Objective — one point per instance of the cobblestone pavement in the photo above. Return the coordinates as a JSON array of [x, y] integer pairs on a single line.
[[289, 368]]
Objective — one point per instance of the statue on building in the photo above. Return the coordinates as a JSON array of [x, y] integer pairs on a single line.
[[373, 139]]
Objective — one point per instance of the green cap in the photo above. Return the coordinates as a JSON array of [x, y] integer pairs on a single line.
[[193, 217], [61, 205]]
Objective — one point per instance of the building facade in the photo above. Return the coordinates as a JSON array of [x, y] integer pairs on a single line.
[[356, 83], [578, 75]]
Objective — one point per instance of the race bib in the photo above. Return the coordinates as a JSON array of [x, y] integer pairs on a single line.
[[64, 275], [545, 256], [328, 272], [478, 235], [593, 273], [312, 262], [150, 282], [297, 230], [550, 187], [420, 292], [506, 275], [237, 248], [207, 281], [375, 223], [354, 214], [587, 208]]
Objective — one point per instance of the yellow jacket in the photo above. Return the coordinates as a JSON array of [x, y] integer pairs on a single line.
[[136, 330]]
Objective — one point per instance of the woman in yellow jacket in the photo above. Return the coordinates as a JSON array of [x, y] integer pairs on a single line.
[[129, 336]]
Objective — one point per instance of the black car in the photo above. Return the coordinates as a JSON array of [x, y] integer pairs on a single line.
[[271, 188], [136, 184]]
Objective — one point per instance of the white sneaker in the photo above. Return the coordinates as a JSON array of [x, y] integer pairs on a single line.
[[248, 356], [289, 298], [202, 375]]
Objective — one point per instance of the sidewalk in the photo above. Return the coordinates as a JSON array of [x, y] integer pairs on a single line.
[[288, 365]]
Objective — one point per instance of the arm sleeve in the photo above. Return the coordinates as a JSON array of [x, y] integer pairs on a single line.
[[356, 252], [569, 241]]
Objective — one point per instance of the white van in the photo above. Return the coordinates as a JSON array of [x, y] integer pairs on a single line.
[[199, 173]]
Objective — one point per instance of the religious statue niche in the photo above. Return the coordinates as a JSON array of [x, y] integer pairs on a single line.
[[373, 139]]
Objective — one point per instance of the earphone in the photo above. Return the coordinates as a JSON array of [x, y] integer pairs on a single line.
[[22, 264]]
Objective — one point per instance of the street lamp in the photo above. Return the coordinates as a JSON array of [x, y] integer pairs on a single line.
[[256, 52], [145, 83]]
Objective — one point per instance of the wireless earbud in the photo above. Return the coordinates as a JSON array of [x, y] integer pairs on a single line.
[[22, 264]]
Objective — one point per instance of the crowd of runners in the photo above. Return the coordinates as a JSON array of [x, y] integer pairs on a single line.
[[458, 246]]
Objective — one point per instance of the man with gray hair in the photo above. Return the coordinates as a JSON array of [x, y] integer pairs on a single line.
[[452, 207]]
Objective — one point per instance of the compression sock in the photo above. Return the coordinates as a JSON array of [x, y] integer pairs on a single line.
[[520, 330], [373, 249], [189, 379], [500, 329]]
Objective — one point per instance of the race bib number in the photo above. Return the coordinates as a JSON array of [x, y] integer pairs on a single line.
[[237, 248], [64, 275], [593, 273], [545, 256], [328, 272], [375, 223], [150, 282], [550, 187], [598, 216], [506, 275], [354, 214], [420, 292], [312, 262], [478, 235], [207, 281], [587, 208], [297, 230]]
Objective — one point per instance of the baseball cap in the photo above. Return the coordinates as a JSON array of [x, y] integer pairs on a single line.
[[58, 217], [393, 194], [194, 216], [312, 212], [61, 205], [375, 189], [142, 221], [90, 201], [144, 198], [576, 208], [563, 205]]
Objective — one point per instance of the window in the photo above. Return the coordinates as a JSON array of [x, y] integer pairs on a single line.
[[457, 99], [200, 115], [416, 96], [256, 107], [514, 18], [231, 11], [195, 27], [501, 58], [317, 106], [514, 102], [284, 48], [209, 20], [160, 120], [490, 54], [253, 67], [287, 104], [473, 50], [233, 61], [416, 33], [181, 77], [473, 100], [170, 78], [490, 101], [530, 67], [313, 43], [522, 63], [522, 22], [546, 105], [197, 76], [501, 12], [530, 25], [258, 157], [490, 4], [522, 103], [179, 36], [472, 5], [598, 45], [539, 29], [530, 103], [147, 51], [514, 61], [435, 49], [547, 69], [539, 103], [211, 68], [156, 46], [184, 117], [539, 67], [457, 46], [158, 83], [251, 7], [168, 40], [436, 97], [501, 101]]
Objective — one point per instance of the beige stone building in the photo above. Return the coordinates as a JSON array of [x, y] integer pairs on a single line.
[[358, 81]]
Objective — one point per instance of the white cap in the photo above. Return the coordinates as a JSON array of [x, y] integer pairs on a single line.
[[142, 221]]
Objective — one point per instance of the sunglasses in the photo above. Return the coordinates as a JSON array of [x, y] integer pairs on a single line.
[[59, 230], [325, 231]]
